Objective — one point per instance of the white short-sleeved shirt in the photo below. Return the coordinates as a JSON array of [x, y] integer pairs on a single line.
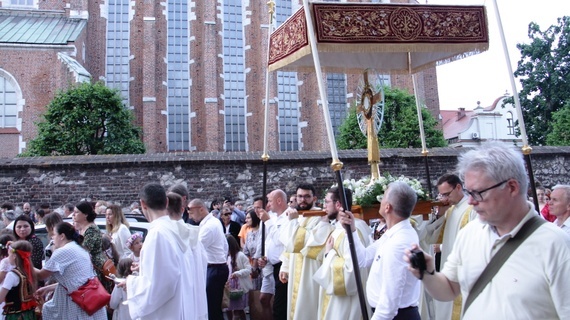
[[532, 284], [10, 281], [213, 239]]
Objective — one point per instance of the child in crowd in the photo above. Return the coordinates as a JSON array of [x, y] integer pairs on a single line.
[[119, 295], [239, 279], [134, 243], [5, 265], [109, 249], [19, 284]]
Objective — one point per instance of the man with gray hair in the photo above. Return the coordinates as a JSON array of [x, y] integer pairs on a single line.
[[392, 292], [531, 279], [559, 206]]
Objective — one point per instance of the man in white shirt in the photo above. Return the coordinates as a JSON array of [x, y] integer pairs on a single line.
[[161, 289], [212, 237], [559, 206], [391, 290], [269, 260], [531, 284]]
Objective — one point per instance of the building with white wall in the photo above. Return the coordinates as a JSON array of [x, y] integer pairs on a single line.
[[467, 128]]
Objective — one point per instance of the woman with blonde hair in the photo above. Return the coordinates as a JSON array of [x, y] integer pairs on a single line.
[[118, 228]]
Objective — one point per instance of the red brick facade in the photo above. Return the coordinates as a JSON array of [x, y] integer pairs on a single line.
[[39, 74]]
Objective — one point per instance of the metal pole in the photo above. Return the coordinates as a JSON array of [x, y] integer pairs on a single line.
[[265, 156], [336, 164], [422, 133], [526, 149]]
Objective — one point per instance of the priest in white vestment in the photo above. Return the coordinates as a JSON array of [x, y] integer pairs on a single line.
[[163, 287], [338, 295]]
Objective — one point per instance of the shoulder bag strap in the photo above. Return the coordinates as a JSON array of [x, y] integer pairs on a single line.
[[500, 257]]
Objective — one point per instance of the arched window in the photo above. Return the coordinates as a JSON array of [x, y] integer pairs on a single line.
[[8, 104], [510, 123]]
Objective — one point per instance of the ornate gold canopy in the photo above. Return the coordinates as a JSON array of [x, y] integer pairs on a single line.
[[390, 38]]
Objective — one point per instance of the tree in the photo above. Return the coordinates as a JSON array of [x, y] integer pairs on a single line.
[[86, 119], [400, 128], [544, 72], [560, 135]]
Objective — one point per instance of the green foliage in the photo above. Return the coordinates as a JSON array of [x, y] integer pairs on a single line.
[[400, 128], [560, 135], [86, 119], [544, 72]]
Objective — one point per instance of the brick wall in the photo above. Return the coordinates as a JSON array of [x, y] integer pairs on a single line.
[[211, 174]]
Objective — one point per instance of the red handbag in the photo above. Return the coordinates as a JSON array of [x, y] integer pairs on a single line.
[[91, 296]]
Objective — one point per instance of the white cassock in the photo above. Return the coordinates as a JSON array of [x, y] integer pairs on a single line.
[[338, 293], [301, 258], [164, 288], [196, 265]]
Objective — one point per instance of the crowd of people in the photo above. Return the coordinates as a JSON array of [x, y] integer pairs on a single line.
[[285, 257]]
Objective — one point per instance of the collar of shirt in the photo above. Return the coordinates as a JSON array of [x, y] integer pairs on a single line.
[[516, 229], [206, 218], [398, 226], [464, 199], [565, 225]]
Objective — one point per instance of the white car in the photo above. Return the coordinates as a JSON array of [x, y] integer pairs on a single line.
[[134, 227]]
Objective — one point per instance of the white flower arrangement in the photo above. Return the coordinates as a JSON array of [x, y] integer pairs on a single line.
[[366, 194]]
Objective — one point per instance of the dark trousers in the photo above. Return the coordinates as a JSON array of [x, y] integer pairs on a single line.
[[409, 313], [216, 279], [280, 298]]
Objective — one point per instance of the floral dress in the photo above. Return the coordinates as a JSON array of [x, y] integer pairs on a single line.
[[92, 241], [71, 267], [251, 240]]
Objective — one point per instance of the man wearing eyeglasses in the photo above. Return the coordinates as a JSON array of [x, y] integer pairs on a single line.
[[298, 261], [532, 281], [443, 232]]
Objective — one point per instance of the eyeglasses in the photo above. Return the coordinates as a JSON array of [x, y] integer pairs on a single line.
[[227, 214], [478, 195], [191, 208], [307, 196], [444, 195]]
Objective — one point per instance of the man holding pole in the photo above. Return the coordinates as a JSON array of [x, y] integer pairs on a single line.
[[269, 260], [338, 298], [392, 292]]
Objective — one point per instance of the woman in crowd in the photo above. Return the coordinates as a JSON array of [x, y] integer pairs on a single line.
[[215, 207], [251, 241], [83, 218], [24, 230], [51, 220], [230, 227], [20, 283], [118, 228], [543, 204], [100, 207], [239, 279], [71, 267]]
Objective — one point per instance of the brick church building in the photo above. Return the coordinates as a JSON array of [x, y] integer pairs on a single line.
[[193, 72]]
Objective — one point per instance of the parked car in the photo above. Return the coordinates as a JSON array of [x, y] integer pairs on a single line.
[[134, 226]]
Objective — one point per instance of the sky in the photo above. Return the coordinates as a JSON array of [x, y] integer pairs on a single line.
[[485, 77]]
